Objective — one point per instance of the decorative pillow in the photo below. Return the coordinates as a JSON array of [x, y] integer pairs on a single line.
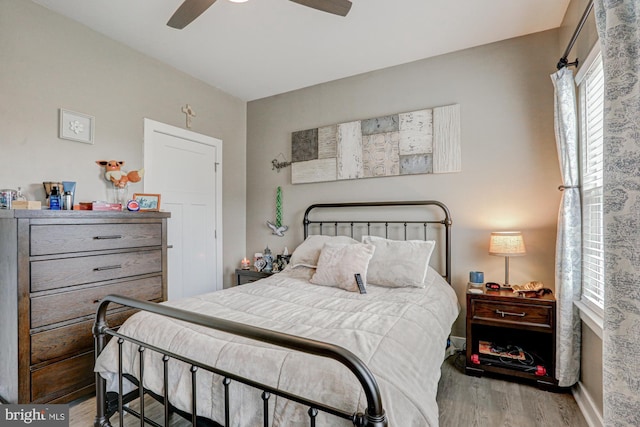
[[338, 264], [398, 263], [308, 252]]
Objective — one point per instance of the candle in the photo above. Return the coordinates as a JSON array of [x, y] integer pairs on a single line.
[[245, 264], [279, 207]]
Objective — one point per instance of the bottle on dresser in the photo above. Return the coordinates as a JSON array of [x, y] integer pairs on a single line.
[[55, 199]]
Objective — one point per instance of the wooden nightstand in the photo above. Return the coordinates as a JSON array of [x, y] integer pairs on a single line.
[[524, 328], [248, 276]]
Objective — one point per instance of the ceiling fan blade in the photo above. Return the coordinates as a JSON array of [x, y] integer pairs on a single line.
[[337, 7], [188, 11]]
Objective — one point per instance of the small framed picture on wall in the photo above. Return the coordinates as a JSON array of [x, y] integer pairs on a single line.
[[76, 126]]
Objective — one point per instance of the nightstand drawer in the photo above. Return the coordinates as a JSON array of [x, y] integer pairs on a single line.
[[247, 276], [512, 313]]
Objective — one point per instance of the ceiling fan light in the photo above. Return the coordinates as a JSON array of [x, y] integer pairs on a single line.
[[238, 1]]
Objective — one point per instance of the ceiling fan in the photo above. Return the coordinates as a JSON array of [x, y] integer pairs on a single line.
[[191, 9]]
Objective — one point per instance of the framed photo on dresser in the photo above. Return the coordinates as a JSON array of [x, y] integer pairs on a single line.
[[148, 202]]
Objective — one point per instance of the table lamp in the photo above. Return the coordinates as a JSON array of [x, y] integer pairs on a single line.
[[506, 244]]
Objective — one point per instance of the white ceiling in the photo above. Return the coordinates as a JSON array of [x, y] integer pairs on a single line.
[[266, 47]]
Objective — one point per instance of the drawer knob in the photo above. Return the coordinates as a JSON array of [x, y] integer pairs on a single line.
[[506, 313], [116, 236], [108, 267]]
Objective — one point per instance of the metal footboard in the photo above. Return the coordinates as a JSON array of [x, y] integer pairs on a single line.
[[374, 415]]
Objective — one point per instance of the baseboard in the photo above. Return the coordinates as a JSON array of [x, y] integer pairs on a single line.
[[588, 408], [457, 343]]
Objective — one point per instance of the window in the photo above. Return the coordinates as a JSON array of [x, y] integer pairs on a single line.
[[591, 98]]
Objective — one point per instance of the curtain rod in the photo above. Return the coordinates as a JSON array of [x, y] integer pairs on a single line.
[[563, 61]]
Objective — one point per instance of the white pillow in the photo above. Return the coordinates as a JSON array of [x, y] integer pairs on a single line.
[[339, 263], [308, 252], [431, 277], [399, 263]]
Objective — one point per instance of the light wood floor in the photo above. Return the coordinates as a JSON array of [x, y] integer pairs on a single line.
[[463, 401], [478, 402]]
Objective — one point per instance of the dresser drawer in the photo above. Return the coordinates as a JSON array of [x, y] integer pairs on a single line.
[[513, 313], [54, 308], [58, 273], [69, 340], [60, 378], [65, 238]]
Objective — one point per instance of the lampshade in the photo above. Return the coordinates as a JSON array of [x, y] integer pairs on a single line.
[[507, 243]]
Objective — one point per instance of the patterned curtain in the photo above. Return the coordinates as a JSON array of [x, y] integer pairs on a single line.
[[618, 23], [569, 238]]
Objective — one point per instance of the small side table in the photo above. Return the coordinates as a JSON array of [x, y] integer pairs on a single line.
[[520, 327], [251, 275]]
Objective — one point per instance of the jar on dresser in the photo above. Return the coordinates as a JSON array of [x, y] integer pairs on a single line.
[[55, 266]]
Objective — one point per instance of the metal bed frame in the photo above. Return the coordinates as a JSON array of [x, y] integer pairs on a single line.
[[445, 221], [374, 415]]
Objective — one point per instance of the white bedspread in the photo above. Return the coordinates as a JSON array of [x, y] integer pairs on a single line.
[[400, 333]]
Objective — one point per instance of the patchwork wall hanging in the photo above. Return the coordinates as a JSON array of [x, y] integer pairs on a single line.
[[417, 142]]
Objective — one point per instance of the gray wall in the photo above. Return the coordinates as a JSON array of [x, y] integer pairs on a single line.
[[591, 360], [49, 62], [510, 170]]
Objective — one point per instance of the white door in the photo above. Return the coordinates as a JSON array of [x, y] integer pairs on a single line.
[[185, 168]]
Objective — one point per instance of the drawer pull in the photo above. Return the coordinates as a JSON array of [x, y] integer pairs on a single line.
[[506, 313], [116, 236], [108, 267]]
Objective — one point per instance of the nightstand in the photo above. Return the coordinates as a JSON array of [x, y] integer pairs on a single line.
[[511, 335], [248, 276]]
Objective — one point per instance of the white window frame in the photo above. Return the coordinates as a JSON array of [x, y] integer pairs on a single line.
[[590, 311]]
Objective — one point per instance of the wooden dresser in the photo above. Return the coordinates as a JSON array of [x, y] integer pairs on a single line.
[[54, 268]]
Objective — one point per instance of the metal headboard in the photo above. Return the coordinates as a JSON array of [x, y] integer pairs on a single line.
[[444, 219]]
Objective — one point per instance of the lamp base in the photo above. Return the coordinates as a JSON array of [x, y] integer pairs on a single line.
[[505, 286]]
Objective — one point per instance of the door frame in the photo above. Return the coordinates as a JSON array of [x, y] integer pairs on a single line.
[[152, 126]]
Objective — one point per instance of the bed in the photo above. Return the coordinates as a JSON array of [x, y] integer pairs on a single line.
[[304, 346]]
